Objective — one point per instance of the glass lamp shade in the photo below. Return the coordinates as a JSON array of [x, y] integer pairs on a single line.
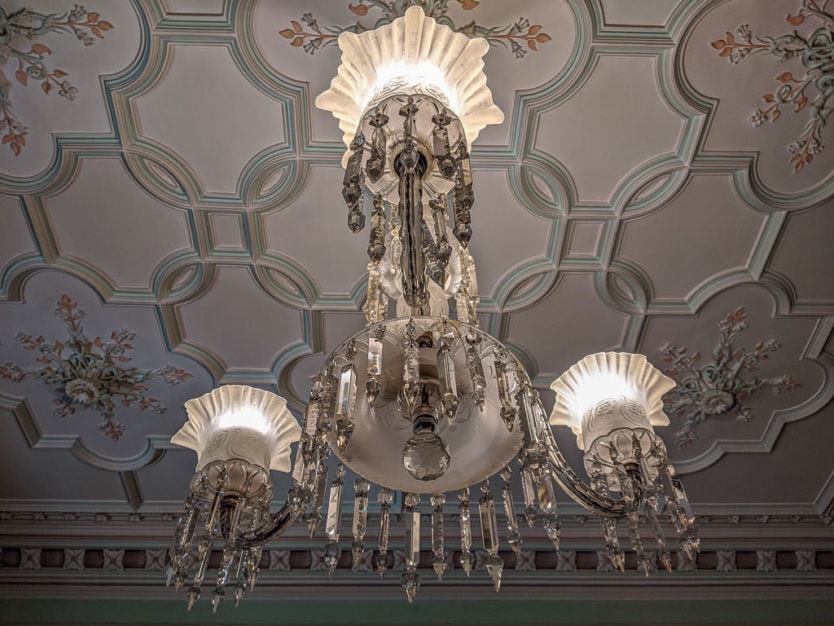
[[413, 54], [240, 422], [608, 391]]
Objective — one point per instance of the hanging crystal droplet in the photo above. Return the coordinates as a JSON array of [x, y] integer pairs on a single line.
[[374, 384], [332, 552], [352, 184], [376, 161], [508, 411], [411, 366], [495, 568], [193, 596], [216, 599], [376, 245], [410, 583], [440, 142], [476, 368], [446, 377], [514, 536], [529, 491]]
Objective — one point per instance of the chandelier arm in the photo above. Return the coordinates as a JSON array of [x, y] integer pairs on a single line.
[[279, 522], [579, 490]]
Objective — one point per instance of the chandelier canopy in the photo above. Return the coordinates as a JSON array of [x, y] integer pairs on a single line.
[[421, 401]]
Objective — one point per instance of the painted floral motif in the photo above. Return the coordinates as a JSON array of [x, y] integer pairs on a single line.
[[814, 89], [27, 24], [90, 374], [519, 37], [720, 387]]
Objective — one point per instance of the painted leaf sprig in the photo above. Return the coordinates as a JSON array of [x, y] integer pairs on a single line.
[[520, 37], [31, 59], [812, 91]]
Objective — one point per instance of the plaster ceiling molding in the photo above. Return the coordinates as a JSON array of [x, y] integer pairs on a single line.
[[770, 89], [741, 381], [334, 267], [18, 249], [121, 247], [235, 328], [599, 329], [183, 109], [511, 244], [733, 253], [51, 76], [652, 14], [644, 130], [103, 389], [808, 281]]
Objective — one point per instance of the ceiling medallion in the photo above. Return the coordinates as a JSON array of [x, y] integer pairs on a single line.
[[722, 386], [421, 401], [91, 373]]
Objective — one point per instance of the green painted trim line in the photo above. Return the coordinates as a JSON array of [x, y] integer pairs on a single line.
[[397, 611]]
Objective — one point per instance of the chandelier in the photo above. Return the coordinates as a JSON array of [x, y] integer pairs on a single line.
[[421, 401]]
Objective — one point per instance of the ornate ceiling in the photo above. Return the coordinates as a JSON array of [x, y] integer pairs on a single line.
[[172, 221]]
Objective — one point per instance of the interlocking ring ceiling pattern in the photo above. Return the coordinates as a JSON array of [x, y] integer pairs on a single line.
[[172, 220]]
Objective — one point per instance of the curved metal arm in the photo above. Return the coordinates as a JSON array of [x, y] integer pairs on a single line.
[[578, 489], [279, 522]]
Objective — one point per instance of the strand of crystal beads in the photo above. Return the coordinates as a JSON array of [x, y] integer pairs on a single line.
[[376, 251], [438, 211], [466, 558], [476, 368], [446, 376], [374, 384], [528, 488], [316, 483], [352, 184], [526, 398], [410, 581], [508, 411], [203, 553], [651, 503], [248, 572], [437, 539], [384, 497], [435, 269], [514, 537], [609, 524], [346, 398], [375, 166], [360, 521], [462, 195], [440, 142], [631, 497], [489, 535], [396, 244], [411, 365], [334, 521], [676, 503], [466, 298]]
